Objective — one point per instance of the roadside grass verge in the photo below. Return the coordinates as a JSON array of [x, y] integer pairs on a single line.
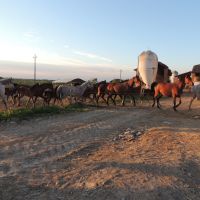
[[26, 113]]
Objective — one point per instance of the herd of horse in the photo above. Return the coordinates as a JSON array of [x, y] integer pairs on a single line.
[[94, 91]]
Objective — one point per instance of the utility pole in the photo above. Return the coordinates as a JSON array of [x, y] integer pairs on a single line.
[[120, 74], [34, 58]]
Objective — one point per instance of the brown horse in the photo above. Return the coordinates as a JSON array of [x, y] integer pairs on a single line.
[[24, 90], [101, 92], [93, 91], [173, 90], [37, 91], [127, 88]]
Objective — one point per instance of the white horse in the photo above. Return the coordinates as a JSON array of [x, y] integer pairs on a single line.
[[195, 93], [66, 91], [4, 82]]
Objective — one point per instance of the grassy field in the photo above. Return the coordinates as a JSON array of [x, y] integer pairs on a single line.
[[30, 81], [26, 113]]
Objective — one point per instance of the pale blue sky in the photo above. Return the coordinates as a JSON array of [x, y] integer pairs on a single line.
[[85, 36]]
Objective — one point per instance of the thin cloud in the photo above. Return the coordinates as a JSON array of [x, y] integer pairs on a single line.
[[91, 55], [66, 46], [32, 36]]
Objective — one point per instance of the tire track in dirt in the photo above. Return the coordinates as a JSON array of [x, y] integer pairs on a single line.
[[54, 137]]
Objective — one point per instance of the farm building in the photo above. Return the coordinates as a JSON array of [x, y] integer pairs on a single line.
[[163, 73]]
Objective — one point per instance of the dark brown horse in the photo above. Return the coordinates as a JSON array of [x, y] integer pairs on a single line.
[[33, 92], [37, 91], [22, 91], [173, 90], [51, 94]]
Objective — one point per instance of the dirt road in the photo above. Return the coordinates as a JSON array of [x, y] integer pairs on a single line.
[[80, 156]]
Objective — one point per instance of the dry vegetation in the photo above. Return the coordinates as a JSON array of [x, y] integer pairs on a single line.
[[83, 155]]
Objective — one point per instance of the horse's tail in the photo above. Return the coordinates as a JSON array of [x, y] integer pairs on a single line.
[[99, 90], [59, 92]]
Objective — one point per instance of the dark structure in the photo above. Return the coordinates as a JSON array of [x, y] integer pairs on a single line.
[[182, 76], [163, 73], [76, 81]]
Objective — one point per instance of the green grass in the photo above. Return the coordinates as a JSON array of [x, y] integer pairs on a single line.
[[25, 113], [29, 81]]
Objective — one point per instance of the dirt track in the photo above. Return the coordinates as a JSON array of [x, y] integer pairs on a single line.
[[75, 156]]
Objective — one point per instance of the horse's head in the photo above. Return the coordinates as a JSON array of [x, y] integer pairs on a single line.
[[188, 80], [180, 84], [135, 81]]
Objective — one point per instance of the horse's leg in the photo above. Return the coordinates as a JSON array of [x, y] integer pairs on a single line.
[[154, 101], [141, 96], [55, 99], [133, 100], [28, 101], [5, 103], [97, 99], [174, 101], [34, 101], [44, 102], [13, 100], [123, 99], [158, 101], [179, 102], [113, 100], [107, 100], [115, 96], [193, 98], [61, 102], [103, 97], [18, 101]]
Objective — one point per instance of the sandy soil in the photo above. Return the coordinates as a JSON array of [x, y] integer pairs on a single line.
[[85, 156]]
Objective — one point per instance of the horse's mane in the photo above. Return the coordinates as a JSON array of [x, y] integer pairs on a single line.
[[188, 77], [35, 85]]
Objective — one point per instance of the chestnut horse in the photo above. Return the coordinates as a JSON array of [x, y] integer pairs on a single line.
[[127, 88], [173, 90]]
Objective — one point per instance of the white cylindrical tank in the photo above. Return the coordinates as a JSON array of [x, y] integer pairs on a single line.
[[148, 67]]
